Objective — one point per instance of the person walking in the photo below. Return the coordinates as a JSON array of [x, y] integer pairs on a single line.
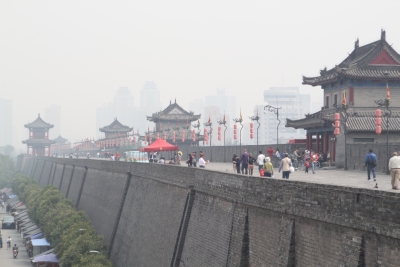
[[251, 164], [245, 161], [202, 162], [268, 168], [234, 162], [189, 160], [260, 160], [370, 163], [237, 159], [285, 165], [270, 152], [9, 242], [313, 160], [194, 161], [394, 167]]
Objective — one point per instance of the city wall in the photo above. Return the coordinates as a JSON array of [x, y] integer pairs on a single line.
[[162, 215]]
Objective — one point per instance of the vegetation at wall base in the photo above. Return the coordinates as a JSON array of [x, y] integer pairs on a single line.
[[7, 170], [66, 228]]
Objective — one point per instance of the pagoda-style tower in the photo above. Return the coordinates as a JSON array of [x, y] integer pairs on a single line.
[[367, 79], [115, 130], [173, 119], [39, 137], [61, 145]]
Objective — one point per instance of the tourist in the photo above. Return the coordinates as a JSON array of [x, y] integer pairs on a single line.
[[260, 160], [370, 163], [234, 162], [307, 165], [313, 160], [202, 162], [285, 165], [270, 152], [194, 159], [394, 167], [277, 154], [161, 161], [296, 155], [268, 168], [251, 164], [98, 154], [307, 154], [245, 161], [171, 161], [189, 161], [283, 153], [237, 159]]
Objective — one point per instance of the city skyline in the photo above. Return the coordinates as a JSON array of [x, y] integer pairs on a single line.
[[49, 59]]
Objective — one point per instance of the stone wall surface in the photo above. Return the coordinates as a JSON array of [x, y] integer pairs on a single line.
[[162, 215], [101, 198]]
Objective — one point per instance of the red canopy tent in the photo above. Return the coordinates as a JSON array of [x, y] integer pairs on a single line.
[[160, 145]]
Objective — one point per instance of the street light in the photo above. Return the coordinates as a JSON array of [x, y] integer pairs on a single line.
[[256, 118], [197, 126], [223, 122], [275, 111], [209, 124], [342, 108], [386, 103]]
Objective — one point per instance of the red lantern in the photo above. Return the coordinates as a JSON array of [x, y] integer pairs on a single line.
[[219, 128], [251, 130], [337, 117], [165, 136], [251, 136], [378, 113], [183, 138], [235, 136], [378, 121], [234, 131], [337, 124], [378, 129], [219, 137], [234, 126], [337, 131], [134, 141]]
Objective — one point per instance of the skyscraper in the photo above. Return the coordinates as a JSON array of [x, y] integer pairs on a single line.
[[226, 103], [123, 106], [6, 125], [292, 104], [149, 103], [52, 115]]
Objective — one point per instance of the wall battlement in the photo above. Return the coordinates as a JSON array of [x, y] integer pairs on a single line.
[[163, 215]]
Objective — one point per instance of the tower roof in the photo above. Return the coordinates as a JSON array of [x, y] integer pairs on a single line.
[[374, 61], [173, 112], [116, 127], [39, 123], [59, 139]]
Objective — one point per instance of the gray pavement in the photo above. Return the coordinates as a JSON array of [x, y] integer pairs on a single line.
[[6, 257], [338, 177]]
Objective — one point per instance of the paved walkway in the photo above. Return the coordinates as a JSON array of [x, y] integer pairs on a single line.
[[333, 177], [6, 257]]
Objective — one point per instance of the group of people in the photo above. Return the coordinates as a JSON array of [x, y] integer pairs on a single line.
[[371, 161]]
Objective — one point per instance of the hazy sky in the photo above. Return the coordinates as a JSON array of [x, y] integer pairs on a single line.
[[77, 53]]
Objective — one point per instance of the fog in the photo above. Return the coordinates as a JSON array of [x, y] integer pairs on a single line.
[[76, 54]]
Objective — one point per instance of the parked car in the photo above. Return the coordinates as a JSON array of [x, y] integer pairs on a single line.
[[8, 222]]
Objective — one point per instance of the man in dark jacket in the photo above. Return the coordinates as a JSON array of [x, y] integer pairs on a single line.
[[370, 163]]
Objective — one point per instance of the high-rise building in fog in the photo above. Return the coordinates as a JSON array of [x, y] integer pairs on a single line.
[[52, 115], [123, 106], [226, 103], [197, 106], [6, 129], [292, 104]]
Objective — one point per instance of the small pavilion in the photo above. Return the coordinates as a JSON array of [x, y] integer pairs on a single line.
[[38, 140]]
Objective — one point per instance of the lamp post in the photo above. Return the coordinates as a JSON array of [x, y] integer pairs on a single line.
[[386, 103], [197, 126], [223, 122], [275, 111], [342, 109], [256, 118], [239, 120], [209, 124]]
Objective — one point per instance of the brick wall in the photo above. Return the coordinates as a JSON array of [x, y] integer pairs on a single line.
[[177, 216]]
